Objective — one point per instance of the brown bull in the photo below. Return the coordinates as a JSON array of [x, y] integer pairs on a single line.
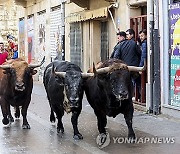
[[16, 85]]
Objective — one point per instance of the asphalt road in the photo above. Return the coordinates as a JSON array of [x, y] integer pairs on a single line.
[[42, 138]]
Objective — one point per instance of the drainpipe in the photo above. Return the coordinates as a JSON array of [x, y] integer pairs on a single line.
[[151, 53], [156, 44], [63, 28]]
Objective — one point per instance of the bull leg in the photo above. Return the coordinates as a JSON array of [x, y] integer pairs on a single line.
[[74, 121], [103, 138], [52, 117], [128, 118], [102, 122], [59, 113], [25, 124], [17, 112], [60, 127], [4, 109], [11, 119]]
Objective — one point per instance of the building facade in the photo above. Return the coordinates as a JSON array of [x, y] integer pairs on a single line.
[[91, 27], [90, 35], [40, 31], [8, 20]]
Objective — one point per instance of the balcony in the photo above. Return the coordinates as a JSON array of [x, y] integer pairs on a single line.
[[21, 2], [24, 3], [137, 2], [81, 3]]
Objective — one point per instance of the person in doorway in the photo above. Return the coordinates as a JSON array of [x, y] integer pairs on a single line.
[[126, 50], [143, 38], [143, 47], [3, 54]]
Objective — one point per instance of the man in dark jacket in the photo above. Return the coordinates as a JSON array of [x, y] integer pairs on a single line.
[[143, 38], [126, 50]]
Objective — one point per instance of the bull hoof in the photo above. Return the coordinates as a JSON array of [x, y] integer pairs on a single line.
[[52, 118], [17, 115], [5, 121], [60, 130], [132, 138], [78, 137], [11, 119], [27, 126], [103, 140]]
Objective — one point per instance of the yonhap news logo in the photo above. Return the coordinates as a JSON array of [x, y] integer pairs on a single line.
[[104, 140], [144, 140]]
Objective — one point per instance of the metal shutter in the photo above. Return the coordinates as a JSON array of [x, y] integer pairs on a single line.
[[76, 44], [55, 31], [104, 41]]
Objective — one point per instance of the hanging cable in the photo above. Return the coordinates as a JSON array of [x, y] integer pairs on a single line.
[[112, 19]]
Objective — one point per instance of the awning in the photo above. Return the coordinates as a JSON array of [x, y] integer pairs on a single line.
[[87, 15]]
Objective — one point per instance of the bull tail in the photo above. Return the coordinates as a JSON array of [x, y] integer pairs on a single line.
[[52, 117]]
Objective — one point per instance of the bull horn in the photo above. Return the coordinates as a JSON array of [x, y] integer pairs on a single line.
[[5, 66], [103, 70], [60, 74], [137, 69], [86, 75], [37, 65]]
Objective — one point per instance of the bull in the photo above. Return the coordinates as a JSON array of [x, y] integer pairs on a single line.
[[63, 82], [16, 85], [109, 92]]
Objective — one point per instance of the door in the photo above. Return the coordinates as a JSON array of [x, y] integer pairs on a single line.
[[139, 23], [76, 44], [104, 41]]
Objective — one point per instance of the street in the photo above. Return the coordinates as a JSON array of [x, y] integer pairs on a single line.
[[42, 138]]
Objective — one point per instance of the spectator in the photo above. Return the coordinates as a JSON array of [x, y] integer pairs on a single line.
[[126, 50], [143, 46], [11, 45], [3, 53], [143, 38], [15, 52], [130, 34]]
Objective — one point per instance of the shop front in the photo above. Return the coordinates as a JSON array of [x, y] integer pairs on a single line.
[[174, 41]]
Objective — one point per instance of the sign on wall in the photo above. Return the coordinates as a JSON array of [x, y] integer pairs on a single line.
[[174, 13], [21, 39], [30, 33]]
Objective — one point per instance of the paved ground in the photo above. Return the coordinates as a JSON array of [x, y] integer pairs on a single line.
[[42, 137]]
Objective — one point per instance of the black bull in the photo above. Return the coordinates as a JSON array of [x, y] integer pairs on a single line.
[[16, 84], [63, 82], [109, 93]]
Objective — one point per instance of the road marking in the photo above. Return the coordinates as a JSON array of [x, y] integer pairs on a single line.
[[84, 145]]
